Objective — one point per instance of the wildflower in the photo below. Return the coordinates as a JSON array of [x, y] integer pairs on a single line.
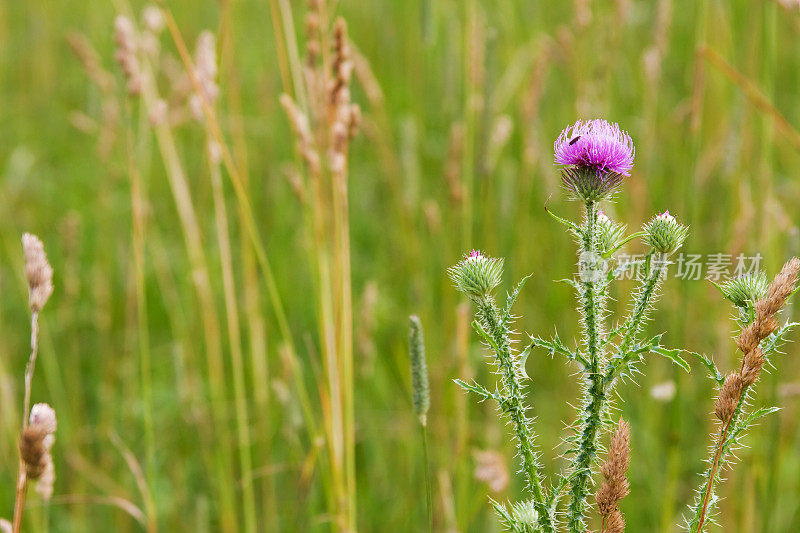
[[665, 234], [476, 275], [596, 156]]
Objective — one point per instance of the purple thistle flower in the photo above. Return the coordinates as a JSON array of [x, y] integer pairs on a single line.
[[597, 155], [597, 145]]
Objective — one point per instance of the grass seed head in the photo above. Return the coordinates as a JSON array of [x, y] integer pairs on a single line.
[[38, 271]]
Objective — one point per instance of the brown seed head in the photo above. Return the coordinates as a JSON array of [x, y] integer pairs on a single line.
[[752, 365], [38, 271], [615, 487], [784, 283], [32, 450], [729, 396], [37, 439], [615, 523]]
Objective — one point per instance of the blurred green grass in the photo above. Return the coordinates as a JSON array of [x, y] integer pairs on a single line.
[[704, 151]]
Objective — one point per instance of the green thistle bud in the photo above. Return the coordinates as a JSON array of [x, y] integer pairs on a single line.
[[609, 234], [524, 514], [419, 369], [665, 234], [746, 289], [476, 275]]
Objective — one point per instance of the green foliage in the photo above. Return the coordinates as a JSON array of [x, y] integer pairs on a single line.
[[429, 179]]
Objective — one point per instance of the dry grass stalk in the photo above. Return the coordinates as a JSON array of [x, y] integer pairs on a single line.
[[615, 487], [36, 437], [104, 80], [323, 133], [748, 341]]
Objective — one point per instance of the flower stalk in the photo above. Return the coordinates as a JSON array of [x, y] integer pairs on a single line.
[[512, 404], [594, 395]]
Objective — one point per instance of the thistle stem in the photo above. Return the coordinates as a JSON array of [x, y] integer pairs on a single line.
[[513, 406], [594, 398], [716, 463], [634, 322]]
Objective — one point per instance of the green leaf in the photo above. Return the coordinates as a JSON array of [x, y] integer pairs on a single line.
[[574, 229], [760, 413], [553, 347], [522, 358], [480, 390], [571, 282], [622, 243], [673, 355], [776, 339], [713, 371], [485, 335], [511, 299]]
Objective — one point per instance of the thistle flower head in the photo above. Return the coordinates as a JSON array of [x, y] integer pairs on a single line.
[[596, 155], [665, 234], [476, 275], [745, 290]]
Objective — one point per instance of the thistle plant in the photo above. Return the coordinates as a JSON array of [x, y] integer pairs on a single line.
[[759, 337], [595, 158]]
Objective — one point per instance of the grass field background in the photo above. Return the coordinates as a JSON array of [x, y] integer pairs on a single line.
[[461, 102]]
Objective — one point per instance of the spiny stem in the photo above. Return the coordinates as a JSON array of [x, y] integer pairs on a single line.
[[640, 307], [488, 315], [595, 395], [711, 479], [634, 322]]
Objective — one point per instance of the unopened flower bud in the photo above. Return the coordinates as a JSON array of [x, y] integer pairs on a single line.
[[477, 275], [665, 234], [746, 289]]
